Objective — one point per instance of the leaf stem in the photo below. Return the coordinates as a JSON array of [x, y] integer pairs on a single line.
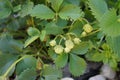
[[11, 67]]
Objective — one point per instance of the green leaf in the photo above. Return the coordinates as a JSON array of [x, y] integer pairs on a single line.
[[56, 4], [26, 8], [9, 45], [98, 8], [28, 62], [113, 63], [81, 49], [33, 31], [61, 22], [17, 8], [61, 60], [52, 54], [75, 2], [42, 35], [52, 28], [114, 43], [109, 23], [95, 56], [28, 74], [70, 11], [42, 11], [5, 9], [52, 73], [13, 25], [30, 40], [6, 60], [77, 65], [76, 28]]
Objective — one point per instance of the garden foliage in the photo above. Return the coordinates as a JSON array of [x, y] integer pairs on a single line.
[[40, 37]]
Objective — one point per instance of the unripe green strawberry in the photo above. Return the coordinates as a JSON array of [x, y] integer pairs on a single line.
[[76, 40], [58, 49], [52, 43], [87, 28], [83, 34], [67, 50], [69, 44]]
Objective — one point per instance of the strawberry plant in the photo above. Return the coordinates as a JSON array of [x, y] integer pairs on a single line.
[[40, 37]]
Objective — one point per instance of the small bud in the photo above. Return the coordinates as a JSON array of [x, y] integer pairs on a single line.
[[52, 43], [83, 34], [87, 28], [76, 40], [69, 44], [58, 49], [67, 50]]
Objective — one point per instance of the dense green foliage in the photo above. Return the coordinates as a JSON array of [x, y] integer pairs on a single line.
[[40, 37]]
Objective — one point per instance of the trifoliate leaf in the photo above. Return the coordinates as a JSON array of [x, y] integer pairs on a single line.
[[109, 24], [61, 60], [56, 4], [42, 11], [77, 65], [70, 11], [98, 8]]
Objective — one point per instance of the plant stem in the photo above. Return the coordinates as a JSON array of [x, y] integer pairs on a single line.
[[11, 67]]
